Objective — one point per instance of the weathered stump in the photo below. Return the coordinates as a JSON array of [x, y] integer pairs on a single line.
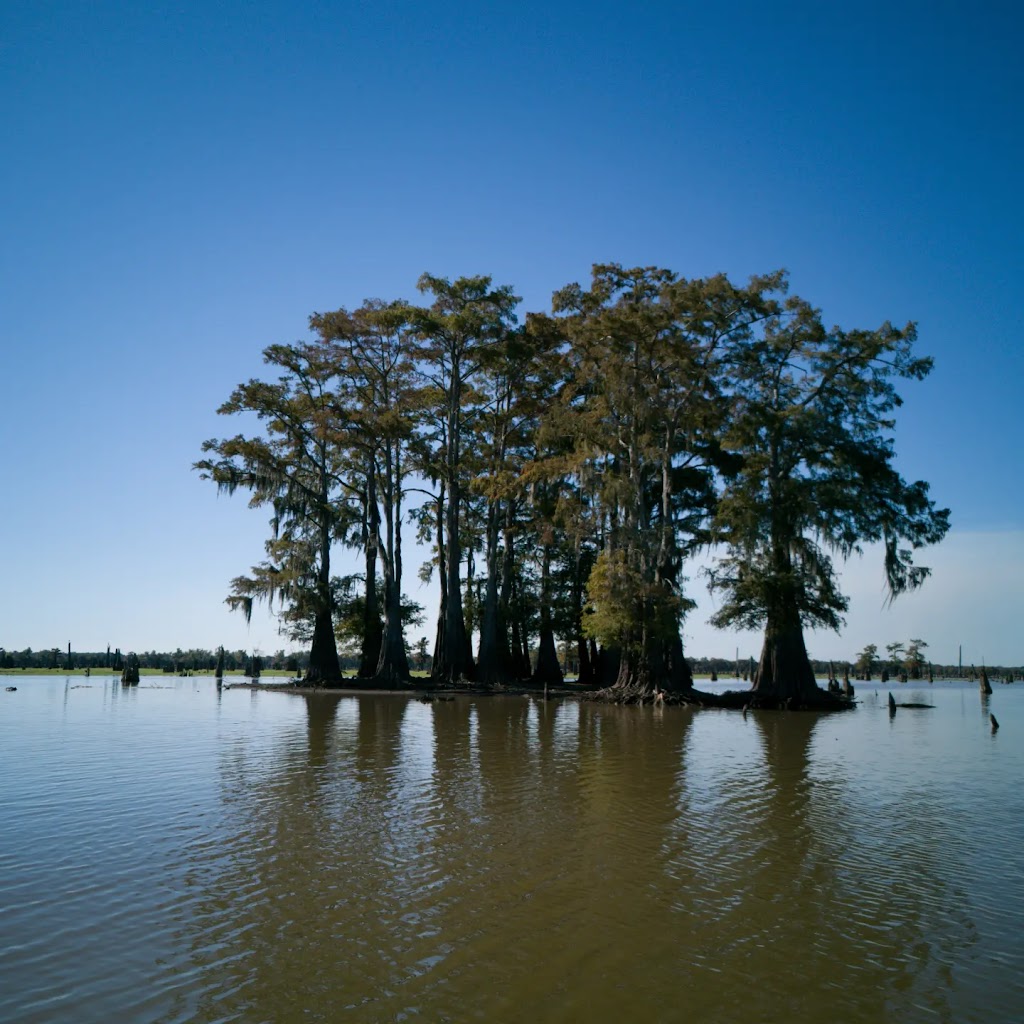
[[130, 674], [983, 683]]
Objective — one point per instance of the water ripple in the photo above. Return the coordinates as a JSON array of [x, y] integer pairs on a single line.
[[175, 855]]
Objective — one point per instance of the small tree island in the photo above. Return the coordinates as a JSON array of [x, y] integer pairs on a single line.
[[562, 470]]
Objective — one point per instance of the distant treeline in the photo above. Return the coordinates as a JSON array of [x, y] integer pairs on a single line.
[[193, 660], [200, 659]]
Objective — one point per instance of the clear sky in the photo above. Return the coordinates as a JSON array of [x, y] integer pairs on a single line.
[[181, 185]]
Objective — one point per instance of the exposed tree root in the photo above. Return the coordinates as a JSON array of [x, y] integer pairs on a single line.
[[735, 700]]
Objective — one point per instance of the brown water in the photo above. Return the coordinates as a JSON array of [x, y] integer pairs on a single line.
[[171, 854]]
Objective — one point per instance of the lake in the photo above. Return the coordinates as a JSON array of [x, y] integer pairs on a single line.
[[171, 853]]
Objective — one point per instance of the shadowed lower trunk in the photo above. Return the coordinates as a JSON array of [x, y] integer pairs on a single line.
[[393, 667], [372, 629], [324, 667], [585, 676], [548, 671], [784, 670], [658, 665], [493, 657]]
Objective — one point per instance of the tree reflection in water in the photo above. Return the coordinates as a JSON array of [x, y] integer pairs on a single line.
[[522, 860]]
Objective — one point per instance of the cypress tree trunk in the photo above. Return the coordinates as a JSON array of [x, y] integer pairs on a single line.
[[369, 655], [520, 658], [442, 613], [608, 661], [680, 675], [548, 671], [586, 672], [653, 666], [324, 667], [394, 661], [492, 667], [784, 671], [454, 660], [393, 665]]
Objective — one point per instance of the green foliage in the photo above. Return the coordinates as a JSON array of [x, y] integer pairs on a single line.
[[815, 476], [293, 467], [867, 659], [624, 608]]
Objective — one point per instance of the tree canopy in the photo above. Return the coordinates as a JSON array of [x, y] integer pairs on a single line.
[[562, 470]]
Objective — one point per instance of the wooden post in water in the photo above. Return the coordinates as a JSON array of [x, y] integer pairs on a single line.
[[993, 722], [892, 706]]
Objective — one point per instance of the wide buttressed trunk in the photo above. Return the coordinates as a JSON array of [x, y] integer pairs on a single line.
[[548, 671], [494, 659], [784, 671], [658, 666], [393, 666], [324, 667]]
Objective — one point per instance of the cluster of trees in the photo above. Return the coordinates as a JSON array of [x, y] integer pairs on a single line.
[[562, 469], [907, 659]]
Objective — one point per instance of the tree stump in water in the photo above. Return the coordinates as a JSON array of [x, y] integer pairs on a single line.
[[130, 675], [993, 721], [983, 683], [892, 706]]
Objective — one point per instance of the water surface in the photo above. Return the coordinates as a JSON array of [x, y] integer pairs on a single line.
[[169, 853]]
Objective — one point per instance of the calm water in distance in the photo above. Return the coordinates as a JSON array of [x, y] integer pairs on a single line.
[[169, 853]]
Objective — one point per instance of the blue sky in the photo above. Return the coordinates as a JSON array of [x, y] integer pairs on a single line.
[[182, 185]]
